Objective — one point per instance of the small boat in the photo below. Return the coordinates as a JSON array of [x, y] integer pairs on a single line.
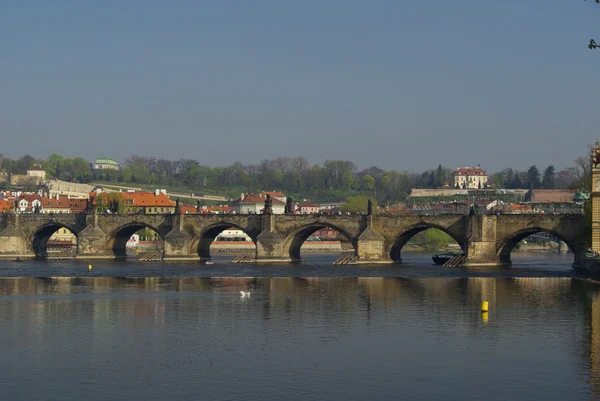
[[442, 258]]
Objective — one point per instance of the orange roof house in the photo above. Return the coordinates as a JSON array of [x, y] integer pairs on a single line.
[[5, 205], [54, 205]]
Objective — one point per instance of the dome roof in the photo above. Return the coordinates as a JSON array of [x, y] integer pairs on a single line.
[[106, 160]]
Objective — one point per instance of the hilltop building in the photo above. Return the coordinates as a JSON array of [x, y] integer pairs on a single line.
[[106, 163], [37, 172], [470, 178]]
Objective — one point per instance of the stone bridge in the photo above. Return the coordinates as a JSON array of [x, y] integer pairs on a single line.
[[485, 239]]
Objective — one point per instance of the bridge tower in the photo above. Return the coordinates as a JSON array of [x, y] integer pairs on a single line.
[[595, 197]]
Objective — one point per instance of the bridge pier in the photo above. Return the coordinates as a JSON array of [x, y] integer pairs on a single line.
[[178, 243], [270, 244], [14, 241], [481, 246], [482, 253], [370, 246], [92, 241]]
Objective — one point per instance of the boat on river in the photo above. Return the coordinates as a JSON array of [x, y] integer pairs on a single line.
[[442, 258]]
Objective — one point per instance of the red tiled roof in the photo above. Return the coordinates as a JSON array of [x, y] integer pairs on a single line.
[[187, 210], [552, 195], [469, 171], [29, 197], [308, 204], [35, 168], [142, 199], [275, 193], [78, 205], [5, 205], [252, 198], [61, 203]]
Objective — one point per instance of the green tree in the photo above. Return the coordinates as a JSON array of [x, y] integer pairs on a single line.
[[548, 178], [367, 182], [358, 204], [437, 239], [109, 201], [533, 177], [52, 165]]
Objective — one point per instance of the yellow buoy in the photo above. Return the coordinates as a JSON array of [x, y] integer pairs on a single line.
[[90, 268], [484, 306]]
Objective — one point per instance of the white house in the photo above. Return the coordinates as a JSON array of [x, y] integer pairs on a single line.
[[37, 172], [470, 178], [28, 202], [307, 207], [254, 204], [232, 234], [276, 195]]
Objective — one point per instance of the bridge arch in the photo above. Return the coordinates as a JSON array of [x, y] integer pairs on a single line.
[[202, 242], [508, 243], [395, 249], [296, 238], [118, 239], [40, 237]]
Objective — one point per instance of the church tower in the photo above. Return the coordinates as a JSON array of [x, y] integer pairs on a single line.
[[595, 197]]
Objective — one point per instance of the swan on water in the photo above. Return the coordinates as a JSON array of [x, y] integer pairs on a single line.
[[244, 294]]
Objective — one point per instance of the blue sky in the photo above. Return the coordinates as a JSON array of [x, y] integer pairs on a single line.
[[397, 84]]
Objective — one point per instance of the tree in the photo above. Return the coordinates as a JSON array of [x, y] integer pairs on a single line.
[[533, 177], [583, 170], [548, 178], [439, 177], [358, 204], [52, 165], [566, 179], [110, 201], [367, 182]]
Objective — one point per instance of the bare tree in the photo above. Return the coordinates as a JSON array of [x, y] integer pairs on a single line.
[[583, 169]]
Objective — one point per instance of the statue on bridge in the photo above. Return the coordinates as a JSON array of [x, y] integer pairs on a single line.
[[198, 206], [177, 207], [268, 205], [288, 206], [369, 207]]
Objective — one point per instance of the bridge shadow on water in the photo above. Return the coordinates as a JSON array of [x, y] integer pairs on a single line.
[[540, 264]]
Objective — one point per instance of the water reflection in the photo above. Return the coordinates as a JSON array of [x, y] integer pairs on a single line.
[[540, 333]]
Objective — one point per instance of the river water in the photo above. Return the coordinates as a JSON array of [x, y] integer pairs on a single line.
[[139, 331]]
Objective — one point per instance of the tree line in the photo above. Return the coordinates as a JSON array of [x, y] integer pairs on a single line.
[[331, 180]]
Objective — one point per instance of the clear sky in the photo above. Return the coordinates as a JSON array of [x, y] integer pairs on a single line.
[[403, 85]]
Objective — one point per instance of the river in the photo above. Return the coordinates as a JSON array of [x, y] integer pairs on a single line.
[[312, 331]]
